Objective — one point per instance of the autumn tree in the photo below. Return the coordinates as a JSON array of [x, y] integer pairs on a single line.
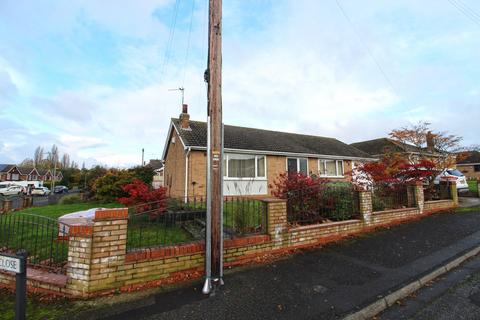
[[439, 147]]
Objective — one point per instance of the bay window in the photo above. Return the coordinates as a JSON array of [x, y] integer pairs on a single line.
[[297, 165], [330, 168], [244, 166]]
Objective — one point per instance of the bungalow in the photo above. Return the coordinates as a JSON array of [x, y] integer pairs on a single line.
[[378, 147], [469, 164], [253, 158]]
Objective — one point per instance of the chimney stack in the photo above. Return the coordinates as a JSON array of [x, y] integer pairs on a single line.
[[430, 141], [184, 117]]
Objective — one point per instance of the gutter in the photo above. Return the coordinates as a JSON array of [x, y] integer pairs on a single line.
[[186, 173]]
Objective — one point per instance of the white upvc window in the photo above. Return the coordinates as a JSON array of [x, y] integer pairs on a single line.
[[330, 168], [244, 166], [297, 165]]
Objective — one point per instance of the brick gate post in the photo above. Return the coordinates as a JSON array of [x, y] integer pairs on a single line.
[[419, 196], [96, 252], [365, 205], [276, 219]]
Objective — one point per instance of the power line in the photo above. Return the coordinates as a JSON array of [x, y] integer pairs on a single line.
[[188, 44], [171, 36], [466, 10], [367, 49]]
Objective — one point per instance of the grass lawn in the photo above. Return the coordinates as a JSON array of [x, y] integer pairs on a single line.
[[240, 217], [473, 186], [37, 307], [36, 230], [56, 210]]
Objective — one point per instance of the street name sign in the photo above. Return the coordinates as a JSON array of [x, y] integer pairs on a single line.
[[9, 263]]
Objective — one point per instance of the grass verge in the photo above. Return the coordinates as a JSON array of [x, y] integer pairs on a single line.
[[38, 307]]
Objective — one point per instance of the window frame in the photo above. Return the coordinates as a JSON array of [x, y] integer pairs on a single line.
[[476, 168], [298, 164], [323, 162], [256, 178]]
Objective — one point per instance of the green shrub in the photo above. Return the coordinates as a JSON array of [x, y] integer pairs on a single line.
[[378, 204], [339, 199], [71, 199]]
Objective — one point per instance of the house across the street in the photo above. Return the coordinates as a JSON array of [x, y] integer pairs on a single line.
[[23, 175], [469, 164], [253, 158]]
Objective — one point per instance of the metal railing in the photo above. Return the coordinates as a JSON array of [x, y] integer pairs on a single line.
[[40, 236], [322, 203], [439, 191], [388, 197], [178, 220]]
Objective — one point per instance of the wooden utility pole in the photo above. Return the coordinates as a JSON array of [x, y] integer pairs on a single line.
[[214, 243]]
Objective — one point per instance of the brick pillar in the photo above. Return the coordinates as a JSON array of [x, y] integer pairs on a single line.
[[454, 193], [365, 205], [419, 196], [276, 219], [97, 252], [109, 247], [79, 259]]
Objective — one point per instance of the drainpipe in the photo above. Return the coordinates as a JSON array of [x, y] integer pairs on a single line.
[[186, 173]]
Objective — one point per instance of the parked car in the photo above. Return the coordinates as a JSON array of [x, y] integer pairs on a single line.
[[454, 175], [41, 191], [60, 189], [11, 190]]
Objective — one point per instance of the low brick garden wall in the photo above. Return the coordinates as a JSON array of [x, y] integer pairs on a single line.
[[98, 262]]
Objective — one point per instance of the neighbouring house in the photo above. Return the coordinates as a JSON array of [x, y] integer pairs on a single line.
[[45, 174], [378, 147], [11, 172], [28, 174], [469, 164], [158, 178], [253, 158], [4, 171]]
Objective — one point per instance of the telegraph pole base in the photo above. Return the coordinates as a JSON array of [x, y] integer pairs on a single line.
[[210, 286], [207, 286]]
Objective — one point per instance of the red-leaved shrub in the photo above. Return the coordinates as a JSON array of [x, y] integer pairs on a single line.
[[143, 199]]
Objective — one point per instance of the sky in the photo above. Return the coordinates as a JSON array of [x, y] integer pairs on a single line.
[[95, 77]]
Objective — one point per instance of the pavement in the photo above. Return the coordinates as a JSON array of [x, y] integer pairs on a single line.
[[322, 283], [453, 296], [468, 202]]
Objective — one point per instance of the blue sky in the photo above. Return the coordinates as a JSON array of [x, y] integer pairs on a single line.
[[94, 76]]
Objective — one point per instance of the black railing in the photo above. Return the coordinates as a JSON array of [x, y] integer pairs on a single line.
[[388, 197], [439, 191], [40, 236], [243, 216], [178, 220], [323, 203]]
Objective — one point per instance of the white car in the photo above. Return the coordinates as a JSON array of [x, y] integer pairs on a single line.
[[10, 190], [41, 191], [454, 175]]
